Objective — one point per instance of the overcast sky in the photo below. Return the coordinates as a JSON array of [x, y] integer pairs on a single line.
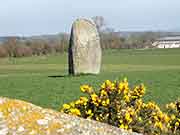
[[35, 17]]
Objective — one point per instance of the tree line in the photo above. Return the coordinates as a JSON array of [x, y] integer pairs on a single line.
[[14, 47], [110, 39]]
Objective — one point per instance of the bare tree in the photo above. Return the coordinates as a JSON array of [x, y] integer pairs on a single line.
[[99, 21], [11, 46]]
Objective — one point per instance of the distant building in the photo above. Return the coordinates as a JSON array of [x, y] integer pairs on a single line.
[[167, 42]]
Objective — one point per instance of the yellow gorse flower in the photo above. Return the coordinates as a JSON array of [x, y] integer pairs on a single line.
[[66, 106], [75, 111], [94, 97], [158, 125], [140, 119], [127, 98], [82, 101], [173, 117], [103, 93], [171, 106], [89, 111], [108, 85], [166, 118], [106, 102], [177, 124], [86, 88]]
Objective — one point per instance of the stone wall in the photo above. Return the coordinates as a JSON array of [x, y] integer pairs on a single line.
[[22, 118]]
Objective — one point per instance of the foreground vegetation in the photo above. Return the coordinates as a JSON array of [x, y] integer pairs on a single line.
[[119, 105], [44, 80]]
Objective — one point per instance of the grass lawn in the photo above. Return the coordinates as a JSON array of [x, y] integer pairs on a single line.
[[43, 80]]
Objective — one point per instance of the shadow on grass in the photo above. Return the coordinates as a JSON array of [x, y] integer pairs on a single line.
[[63, 76], [58, 76]]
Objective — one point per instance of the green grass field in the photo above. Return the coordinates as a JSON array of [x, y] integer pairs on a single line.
[[44, 81]]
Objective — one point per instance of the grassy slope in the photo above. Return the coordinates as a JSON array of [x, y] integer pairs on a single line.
[[44, 81]]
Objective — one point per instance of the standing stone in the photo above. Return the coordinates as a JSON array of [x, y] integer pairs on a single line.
[[84, 48]]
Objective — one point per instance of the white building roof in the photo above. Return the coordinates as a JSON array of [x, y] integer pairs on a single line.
[[171, 38]]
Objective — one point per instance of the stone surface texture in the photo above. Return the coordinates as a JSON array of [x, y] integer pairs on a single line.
[[22, 118], [84, 48]]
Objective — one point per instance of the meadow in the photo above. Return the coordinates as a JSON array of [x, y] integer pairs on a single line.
[[44, 80]]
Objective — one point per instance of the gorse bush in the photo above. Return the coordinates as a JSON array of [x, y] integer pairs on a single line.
[[119, 105]]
